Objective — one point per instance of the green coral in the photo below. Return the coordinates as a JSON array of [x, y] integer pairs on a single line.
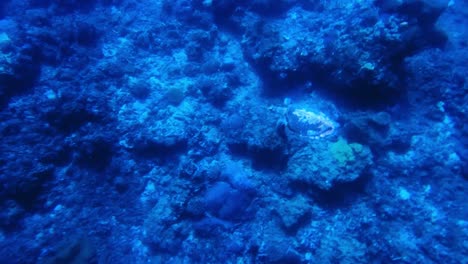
[[325, 164], [344, 152]]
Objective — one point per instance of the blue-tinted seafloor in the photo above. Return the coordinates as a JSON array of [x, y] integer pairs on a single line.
[[233, 131]]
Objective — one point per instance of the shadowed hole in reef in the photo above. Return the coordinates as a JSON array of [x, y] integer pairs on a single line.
[[160, 150], [30, 188], [359, 94], [262, 158], [19, 83], [341, 194], [96, 154]]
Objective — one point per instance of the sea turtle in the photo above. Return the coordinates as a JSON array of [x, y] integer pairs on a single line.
[[305, 122]]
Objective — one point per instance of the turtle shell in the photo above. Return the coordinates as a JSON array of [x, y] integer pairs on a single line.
[[309, 124]]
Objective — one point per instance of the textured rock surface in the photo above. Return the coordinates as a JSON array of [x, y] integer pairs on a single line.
[[264, 131]]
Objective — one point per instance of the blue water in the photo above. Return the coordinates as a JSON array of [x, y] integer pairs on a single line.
[[224, 131]]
